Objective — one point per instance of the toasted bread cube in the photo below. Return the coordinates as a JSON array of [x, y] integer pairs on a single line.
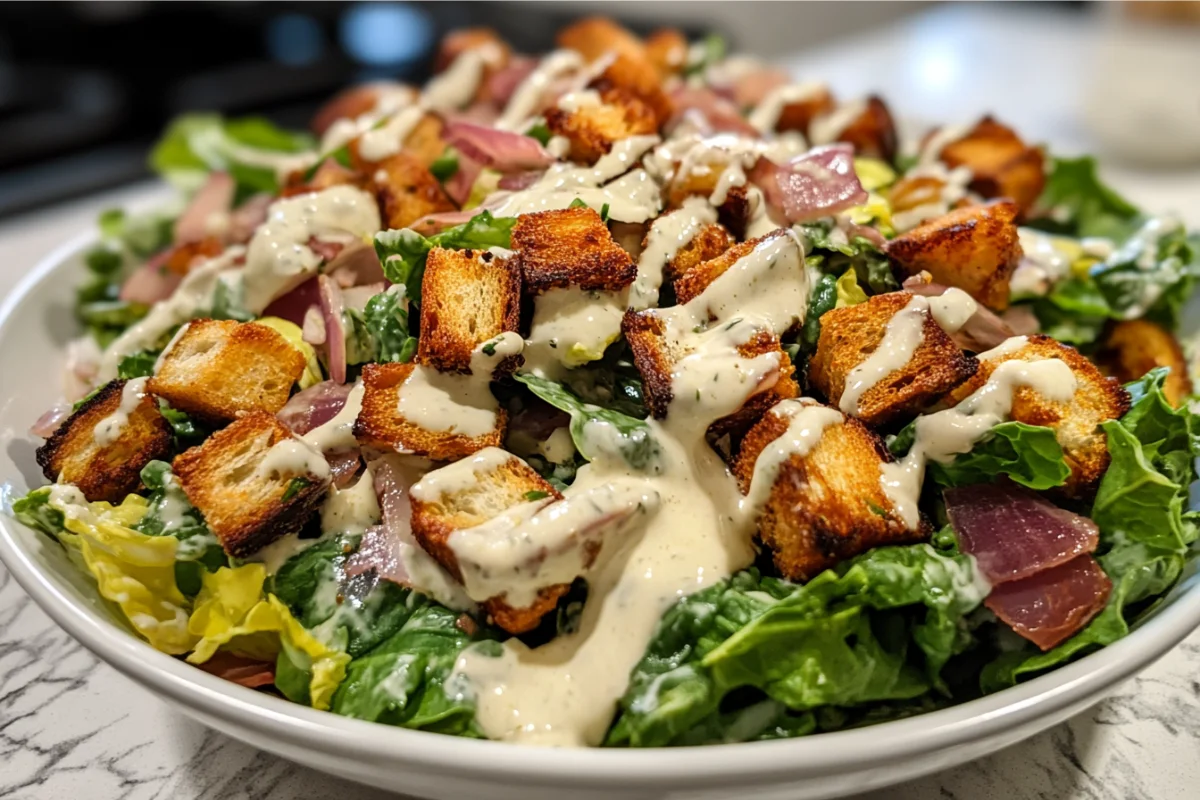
[[912, 192], [655, 356], [249, 494], [455, 43], [699, 277], [851, 334], [381, 425], [496, 489], [424, 142], [667, 49], [974, 248], [217, 369], [406, 190], [712, 240], [1076, 423], [1132, 348], [102, 467], [799, 114], [467, 298], [330, 173], [1002, 164], [592, 129], [637, 76], [826, 505], [873, 132], [571, 247], [595, 37]]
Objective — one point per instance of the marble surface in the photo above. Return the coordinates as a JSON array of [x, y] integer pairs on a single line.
[[71, 727]]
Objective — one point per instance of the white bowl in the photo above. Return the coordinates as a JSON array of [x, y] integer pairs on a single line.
[[35, 324]]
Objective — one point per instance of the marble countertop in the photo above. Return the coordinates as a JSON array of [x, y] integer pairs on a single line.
[[71, 727]]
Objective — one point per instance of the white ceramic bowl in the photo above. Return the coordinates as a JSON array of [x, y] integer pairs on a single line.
[[35, 324]]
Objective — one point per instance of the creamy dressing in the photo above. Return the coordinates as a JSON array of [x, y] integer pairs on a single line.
[[389, 100], [353, 509], [633, 197], [292, 458], [461, 404], [386, 140], [338, 432], [527, 98], [278, 258], [668, 234], [456, 86], [952, 309], [954, 188], [931, 151], [573, 101], [807, 421], [572, 326], [828, 128], [945, 434], [193, 297], [109, 429], [765, 115], [904, 333], [1141, 249]]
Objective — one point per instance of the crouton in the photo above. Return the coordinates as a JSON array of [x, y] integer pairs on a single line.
[[974, 248], [467, 298], [667, 50], [1002, 165], [735, 210], [596, 37], [592, 129], [253, 482], [88, 456], [217, 369], [455, 43], [1076, 423], [424, 142], [873, 133], [183, 257], [850, 335], [329, 173], [405, 189], [825, 505], [381, 424], [496, 488], [1131, 349], [571, 247], [799, 114], [655, 355], [912, 192], [637, 76], [693, 282], [712, 240]]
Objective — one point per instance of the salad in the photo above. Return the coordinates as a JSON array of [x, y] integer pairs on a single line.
[[631, 395]]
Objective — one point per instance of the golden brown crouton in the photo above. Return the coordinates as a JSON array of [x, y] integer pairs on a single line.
[[1077, 422], [217, 369], [592, 129], [595, 37], [667, 49], [571, 247], [827, 505], [698, 277], [1002, 164], [424, 142], [406, 190], [250, 497], [655, 357], [494, 491], [1131, 349], [467, 298], [329, 173], [381, 425], [851, 334], [710, 242], [873, 133], [103, 467], [974, 248], [637, 76], [914, 191], [799, 114]]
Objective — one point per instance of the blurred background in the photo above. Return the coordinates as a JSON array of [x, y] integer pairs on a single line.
[[86, 87]]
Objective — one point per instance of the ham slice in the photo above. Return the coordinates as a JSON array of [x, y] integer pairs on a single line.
[[1013, 533], [458, 187], [818, 184], [214, 197], [151, 282], [356, 264], [503, 82], [718, 112], [332, 305], [504, 151], [240, 670], [313, 407], [382, 546], [983, 331], [1049, 607]]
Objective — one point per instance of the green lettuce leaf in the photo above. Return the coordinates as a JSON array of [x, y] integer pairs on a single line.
[[170, 513], [34, 510], [138, 365], [833, 253], [379, 333], [1028, 454], [403, 252], [599, 432], [1082, 204], [841, 640], [824, 298]]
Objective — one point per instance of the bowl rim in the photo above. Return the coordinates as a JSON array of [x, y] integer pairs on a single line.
[[826, 754]]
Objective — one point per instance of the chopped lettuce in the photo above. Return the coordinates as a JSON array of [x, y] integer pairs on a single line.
[[849, 293], [841, 640], [36, 511], [1080, 204], [170, 513], [138, 365], [1028, 454], [824, 298], [403, 252], [600, 432], [1145, 521], [703, 54], [379, 333]]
